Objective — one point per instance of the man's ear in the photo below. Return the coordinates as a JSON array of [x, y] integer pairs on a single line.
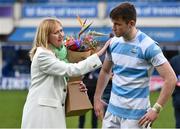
[[132, 23]]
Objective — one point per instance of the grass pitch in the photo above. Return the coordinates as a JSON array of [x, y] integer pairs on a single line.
[[12, 102]]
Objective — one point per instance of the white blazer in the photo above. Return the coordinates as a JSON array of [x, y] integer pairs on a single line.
[[44, 106]]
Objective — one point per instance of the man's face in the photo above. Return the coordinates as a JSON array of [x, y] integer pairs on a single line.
[[120, 27]]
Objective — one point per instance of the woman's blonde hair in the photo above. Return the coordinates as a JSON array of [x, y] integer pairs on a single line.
[[42, 33]]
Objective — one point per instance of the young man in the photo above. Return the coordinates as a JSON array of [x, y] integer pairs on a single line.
[[131, 56]]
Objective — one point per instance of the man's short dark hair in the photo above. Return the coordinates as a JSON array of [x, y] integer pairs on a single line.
[[126, 11]]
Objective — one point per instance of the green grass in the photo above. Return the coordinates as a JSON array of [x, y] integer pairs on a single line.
[[11, 106], [166, 117]]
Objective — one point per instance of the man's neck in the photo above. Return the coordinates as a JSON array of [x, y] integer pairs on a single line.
[[131, 35]]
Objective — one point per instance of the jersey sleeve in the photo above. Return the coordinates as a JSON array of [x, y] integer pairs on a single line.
[[155, 55]]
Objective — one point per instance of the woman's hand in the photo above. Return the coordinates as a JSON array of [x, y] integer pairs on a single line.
[[104, 48], [82, 87]]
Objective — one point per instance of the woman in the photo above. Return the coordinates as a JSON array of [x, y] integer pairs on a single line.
[[44, 107]]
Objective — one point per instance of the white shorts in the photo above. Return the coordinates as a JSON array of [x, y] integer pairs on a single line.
[[112, 121]]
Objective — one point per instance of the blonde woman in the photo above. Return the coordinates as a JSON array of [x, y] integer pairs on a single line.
[[44, 106]]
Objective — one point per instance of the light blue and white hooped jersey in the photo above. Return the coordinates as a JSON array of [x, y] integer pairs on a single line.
[[133, 63]]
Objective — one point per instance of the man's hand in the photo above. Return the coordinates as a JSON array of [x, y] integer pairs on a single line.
[[99, 107], [148, 118]]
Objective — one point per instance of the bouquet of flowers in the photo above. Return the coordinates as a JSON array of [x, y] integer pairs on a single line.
[[80, 46], [84, 41]]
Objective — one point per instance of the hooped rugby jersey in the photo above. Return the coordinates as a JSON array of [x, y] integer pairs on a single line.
[[133, 64]]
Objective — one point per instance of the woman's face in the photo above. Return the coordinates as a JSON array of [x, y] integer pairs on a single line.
[[56, 37]]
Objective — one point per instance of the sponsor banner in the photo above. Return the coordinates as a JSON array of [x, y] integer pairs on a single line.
[[8, 83], [27, 34], [163, 34], [24, 34], [64, 10], [6, 11], [152, 9], [160, 34], [21, 83]]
